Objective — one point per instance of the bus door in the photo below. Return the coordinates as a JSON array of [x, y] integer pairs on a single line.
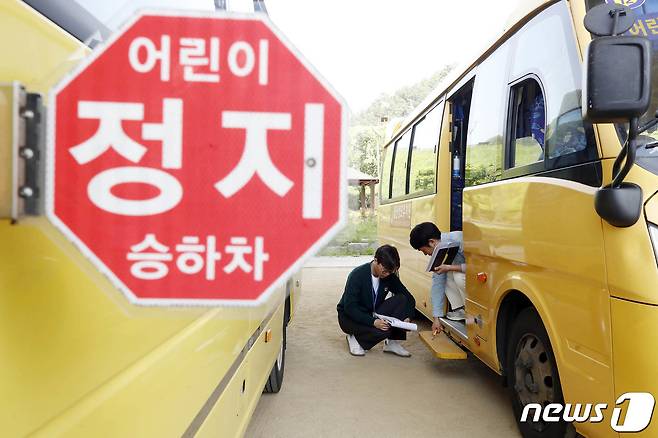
[[460, 104]]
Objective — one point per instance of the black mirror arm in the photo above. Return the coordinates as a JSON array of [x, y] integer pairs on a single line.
[[627, 155], [630, 147], [620, 159]]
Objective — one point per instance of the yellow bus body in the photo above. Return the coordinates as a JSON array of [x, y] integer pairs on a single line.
[[540, 240], [77, 358]]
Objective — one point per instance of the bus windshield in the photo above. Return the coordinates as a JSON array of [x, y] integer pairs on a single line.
[[646, 25]]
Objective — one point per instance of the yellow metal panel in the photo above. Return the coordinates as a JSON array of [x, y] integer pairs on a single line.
[[394, 223], [635, 337], [226, 419], [71, 344], [161, 392], [35, 51], [263, 353], [542, 237], [62, 333], [631, 265], [583, 37], [416, 279]]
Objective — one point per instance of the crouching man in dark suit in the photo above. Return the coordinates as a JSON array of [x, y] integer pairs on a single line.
[[365, 293]]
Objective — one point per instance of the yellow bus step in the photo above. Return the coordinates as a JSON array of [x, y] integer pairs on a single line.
[[442, 346]]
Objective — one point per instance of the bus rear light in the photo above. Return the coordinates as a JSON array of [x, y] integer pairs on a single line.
[[482, 277]]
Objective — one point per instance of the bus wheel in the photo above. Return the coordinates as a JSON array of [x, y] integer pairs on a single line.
[[275, 380], [533, 375]]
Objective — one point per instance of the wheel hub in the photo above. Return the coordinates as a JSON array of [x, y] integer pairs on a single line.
[[533, 374]]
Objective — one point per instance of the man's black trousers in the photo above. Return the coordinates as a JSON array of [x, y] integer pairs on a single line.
[[369, 336]]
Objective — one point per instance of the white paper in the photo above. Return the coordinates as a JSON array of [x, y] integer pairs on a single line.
[[394, 322]]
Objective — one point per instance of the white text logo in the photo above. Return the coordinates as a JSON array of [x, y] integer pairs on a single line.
[[638, 413]]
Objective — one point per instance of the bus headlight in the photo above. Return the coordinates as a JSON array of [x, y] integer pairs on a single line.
[[653, 233]]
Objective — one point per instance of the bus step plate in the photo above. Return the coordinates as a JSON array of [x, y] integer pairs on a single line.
[[442, 346]]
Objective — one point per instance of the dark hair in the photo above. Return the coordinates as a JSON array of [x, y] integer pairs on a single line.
[[422, 233], [388, 257]]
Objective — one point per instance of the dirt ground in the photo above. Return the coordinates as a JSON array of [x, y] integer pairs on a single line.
[[329, 393]]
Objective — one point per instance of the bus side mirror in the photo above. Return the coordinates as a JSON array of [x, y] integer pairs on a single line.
[[619, 206], [617, 88], [617, 79]]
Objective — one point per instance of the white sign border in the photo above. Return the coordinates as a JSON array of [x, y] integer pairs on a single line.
[[196, 302]]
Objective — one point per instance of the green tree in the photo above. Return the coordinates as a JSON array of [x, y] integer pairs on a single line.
[[367, 130], [364, 142], [400, 103]]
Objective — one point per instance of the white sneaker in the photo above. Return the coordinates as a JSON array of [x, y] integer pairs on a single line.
[[355, 348], [393, 346], [456, 315]]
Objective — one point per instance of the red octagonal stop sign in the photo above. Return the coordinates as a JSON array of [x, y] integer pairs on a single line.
[[196, 159]]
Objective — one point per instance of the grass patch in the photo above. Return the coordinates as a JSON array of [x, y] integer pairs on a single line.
[[357, 238], [339, 251]]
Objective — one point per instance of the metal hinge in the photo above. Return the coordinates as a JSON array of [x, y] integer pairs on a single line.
[[27, 150], [31, 152]]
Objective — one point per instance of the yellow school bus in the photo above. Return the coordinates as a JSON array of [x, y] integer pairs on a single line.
[[559, 301], [76, 358]]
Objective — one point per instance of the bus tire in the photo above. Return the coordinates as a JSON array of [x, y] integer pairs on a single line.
[[275, 380], [533, 374]]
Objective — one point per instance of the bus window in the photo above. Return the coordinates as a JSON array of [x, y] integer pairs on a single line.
[[568, 141], [570, 134], [484, 153], [385, 185], [399, 184], [422, 174], [527, 125]]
